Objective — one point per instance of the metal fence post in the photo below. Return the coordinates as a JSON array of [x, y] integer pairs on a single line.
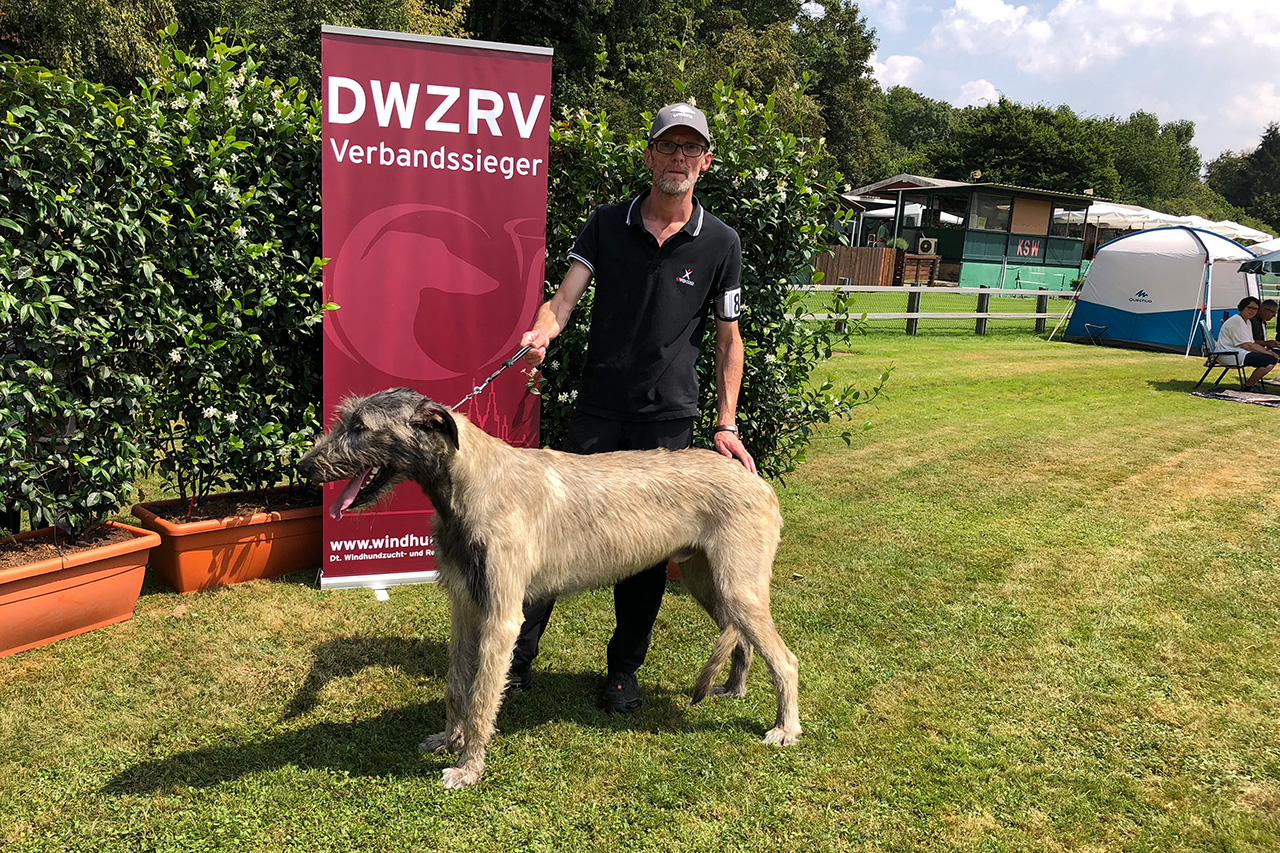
[[984, 306], [1042, 307], [913, 307]]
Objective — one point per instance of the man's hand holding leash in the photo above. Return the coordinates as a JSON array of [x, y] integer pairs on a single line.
[[537, 342]]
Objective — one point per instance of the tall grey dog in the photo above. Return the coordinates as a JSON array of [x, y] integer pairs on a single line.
[[516, 524]]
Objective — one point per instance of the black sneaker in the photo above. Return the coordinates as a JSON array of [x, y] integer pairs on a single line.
[[621, 693], [1253, 389], [519, 680]]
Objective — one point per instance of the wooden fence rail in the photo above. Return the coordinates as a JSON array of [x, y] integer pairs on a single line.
[[981, 315]]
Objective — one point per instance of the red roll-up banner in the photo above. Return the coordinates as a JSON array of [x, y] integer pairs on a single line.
[[434, 193]]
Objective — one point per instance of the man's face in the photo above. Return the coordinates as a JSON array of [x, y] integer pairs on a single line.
[[1266, 313], [676, 173]]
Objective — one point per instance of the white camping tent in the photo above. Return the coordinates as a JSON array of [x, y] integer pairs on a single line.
[[1149, 289]]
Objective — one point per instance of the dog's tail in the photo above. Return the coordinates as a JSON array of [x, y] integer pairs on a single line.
[[724, 647]]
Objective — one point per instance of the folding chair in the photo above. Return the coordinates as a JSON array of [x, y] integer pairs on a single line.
[[1215, 357]]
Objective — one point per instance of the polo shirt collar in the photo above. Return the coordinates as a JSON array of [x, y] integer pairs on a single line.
[[693, 227]]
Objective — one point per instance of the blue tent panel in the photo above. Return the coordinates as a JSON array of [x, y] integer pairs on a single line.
[[1165, 330]]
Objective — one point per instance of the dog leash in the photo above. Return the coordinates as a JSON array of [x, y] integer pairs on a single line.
[[485, 384]]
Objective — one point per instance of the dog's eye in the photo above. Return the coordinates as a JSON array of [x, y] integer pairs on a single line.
[[356, 427]]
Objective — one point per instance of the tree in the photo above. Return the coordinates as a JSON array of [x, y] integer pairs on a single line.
[[1228, 175], [835, 48], [1251, 180], [915, 128], [1155, 161], [288, 34], [108, 41], [1034, 146]]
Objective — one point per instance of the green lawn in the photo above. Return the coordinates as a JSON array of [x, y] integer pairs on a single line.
[[1035, 606]]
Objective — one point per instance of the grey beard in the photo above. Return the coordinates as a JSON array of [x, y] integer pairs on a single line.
[[675, 188]]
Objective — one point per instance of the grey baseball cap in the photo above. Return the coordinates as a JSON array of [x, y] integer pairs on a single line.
[[679, 115]]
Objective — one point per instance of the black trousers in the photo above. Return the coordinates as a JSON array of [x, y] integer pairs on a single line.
[[635, 600]]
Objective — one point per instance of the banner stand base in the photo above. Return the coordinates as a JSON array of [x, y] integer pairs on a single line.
[[379, 582]]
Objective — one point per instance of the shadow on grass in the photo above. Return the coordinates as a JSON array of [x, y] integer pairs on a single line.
[[386, 745], [1183, 386], [345, 657]]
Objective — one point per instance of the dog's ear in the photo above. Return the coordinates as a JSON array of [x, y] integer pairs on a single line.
[[430, 415]]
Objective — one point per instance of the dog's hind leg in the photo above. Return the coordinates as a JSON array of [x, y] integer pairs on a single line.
[[499, 627], [757, 625], [744, 594], [464, 639], [695, 576]]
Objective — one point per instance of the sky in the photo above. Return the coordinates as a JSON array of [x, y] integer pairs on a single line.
[[1215, 62]]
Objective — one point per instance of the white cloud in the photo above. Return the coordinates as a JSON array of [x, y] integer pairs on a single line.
[[1078, 34], [1215, 63], [895, 70], [975, 93], [1247, 116], [891, 15]]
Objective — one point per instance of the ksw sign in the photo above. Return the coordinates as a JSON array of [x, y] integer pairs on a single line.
[[1029, 248]]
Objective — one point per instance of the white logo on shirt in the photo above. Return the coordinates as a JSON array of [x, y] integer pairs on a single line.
[[687, 278]]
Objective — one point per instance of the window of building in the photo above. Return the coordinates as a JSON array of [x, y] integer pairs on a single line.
[[948, 210], [990, 212], [1068, 219]]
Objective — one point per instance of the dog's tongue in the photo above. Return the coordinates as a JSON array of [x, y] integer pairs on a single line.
[[348, 495]]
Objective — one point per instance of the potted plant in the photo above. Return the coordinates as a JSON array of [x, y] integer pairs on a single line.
[[76, 305], [238, 370]]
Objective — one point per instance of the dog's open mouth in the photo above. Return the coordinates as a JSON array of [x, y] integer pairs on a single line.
[[359, 490]]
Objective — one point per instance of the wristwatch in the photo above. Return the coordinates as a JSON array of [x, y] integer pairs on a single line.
[[726, 428]]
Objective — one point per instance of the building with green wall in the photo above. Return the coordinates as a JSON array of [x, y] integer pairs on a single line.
[[984, 234]]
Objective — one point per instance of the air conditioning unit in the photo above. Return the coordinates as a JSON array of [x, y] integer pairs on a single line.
[[926, 246]]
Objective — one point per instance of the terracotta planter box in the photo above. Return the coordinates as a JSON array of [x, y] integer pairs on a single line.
[[64, 596], [199, 555]]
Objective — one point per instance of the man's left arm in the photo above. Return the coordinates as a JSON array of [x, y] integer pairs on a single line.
[[729, 361]]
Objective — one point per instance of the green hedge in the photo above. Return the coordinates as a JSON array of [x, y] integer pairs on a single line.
[[82, 306], [161, 301], [161, 304]]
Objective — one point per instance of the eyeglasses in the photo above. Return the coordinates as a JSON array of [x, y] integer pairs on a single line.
[[666, 148]]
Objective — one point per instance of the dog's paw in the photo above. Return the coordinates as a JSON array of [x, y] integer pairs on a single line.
[[781, 737], [723, 691], [441, 742], [457, 777]]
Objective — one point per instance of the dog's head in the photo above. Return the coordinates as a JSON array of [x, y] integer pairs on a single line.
[[378, 442]]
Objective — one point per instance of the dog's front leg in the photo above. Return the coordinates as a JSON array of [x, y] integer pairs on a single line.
[[498, 630], [464, 638]]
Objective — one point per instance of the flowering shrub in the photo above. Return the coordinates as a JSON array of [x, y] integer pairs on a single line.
[[773, 188], [82, 300], [160, 300], [236, 159]]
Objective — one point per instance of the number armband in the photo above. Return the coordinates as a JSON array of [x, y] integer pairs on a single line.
[[728, 305]]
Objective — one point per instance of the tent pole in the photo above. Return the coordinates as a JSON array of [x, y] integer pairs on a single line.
[[1068, 313], [1203, 310]]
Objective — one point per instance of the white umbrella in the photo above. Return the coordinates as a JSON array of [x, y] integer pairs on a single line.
[[1227, 228], [1266, 246], [1107, 214]]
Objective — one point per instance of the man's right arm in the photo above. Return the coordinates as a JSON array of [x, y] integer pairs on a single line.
[[553, 315]]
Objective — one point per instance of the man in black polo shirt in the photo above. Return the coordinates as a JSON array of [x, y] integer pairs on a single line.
[[660, 263]]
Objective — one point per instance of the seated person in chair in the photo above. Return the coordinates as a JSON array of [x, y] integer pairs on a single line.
[[1266, 313], [1237, 334]]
